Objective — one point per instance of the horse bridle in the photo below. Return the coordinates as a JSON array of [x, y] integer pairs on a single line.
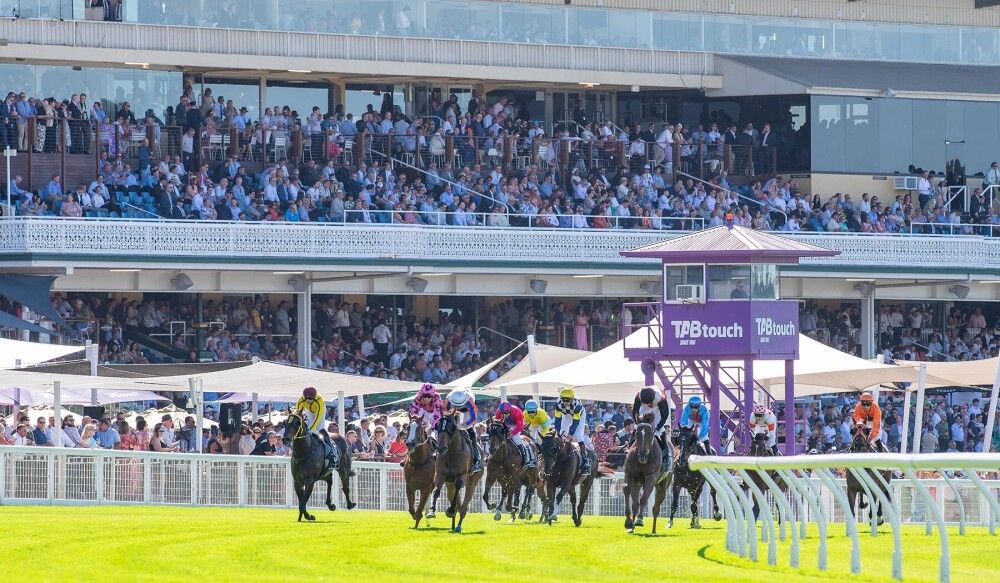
[[300, 433]]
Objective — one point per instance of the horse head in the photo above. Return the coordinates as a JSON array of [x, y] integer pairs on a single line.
[[758, 445], [498, 433], [415, 432], [643, 441], [294, 428], [447, 427], [551, 446], [683, 439], [859, 441]]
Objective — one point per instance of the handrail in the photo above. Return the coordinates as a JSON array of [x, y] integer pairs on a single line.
[[928, 349], [132, 206], [956, 191], [533, 220], [712, 185], [952, 227]]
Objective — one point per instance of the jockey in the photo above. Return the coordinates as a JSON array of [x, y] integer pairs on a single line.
[[462, 405], [654, 402], [536, 420], [511, 416], [764, 421], [427, 406], [313, 410], [695, 417], [570, 419], [868, 413]]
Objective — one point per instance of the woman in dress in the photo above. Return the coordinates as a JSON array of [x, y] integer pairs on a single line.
[[397, 449], [87, 439], [141, 436], [378, 448], [580, 325]]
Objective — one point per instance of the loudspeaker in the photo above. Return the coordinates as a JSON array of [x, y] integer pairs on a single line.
[[94, 412], [229, 417]]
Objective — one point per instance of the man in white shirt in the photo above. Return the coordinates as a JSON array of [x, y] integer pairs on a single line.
[[381, 335], [925, 189]]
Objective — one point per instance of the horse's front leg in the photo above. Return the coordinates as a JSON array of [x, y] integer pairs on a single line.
[[329, 493], [629, 509]]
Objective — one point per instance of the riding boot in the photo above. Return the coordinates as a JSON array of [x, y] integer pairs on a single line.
[[331, 450], [585, 467], [477, 464], [527, 461], [665, 451]]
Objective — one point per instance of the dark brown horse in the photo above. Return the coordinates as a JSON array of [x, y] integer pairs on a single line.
[[309, 465], [418, 470], [506, 466], [856, 493], [454, 469], [759, 447], [643, 467], [561, 468], [691, 480]]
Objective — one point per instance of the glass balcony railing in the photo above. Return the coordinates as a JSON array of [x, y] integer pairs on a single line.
[[565, 25]]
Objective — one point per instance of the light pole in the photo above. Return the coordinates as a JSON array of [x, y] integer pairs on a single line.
[[9, 153]]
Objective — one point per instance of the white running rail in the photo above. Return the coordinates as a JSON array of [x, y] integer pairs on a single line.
[[815, 494]]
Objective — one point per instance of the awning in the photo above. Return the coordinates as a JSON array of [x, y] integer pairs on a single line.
[[968, 373], [745, 75], [546, 357], [29, 353]]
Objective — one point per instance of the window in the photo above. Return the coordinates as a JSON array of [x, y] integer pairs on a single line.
[[728, 282], [764, 282], [675, 275]]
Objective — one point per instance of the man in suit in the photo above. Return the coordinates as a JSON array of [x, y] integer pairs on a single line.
[[76, 125], [768, 142], [8, 121]]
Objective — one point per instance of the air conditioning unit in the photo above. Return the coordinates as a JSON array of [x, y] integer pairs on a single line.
[[904, 182], [691, 294]]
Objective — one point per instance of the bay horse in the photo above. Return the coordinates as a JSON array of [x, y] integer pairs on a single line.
[[561, 468], [418, 469], [684, 477], [454, 469], [506, 467], [855, 490], [643, 467], [309, 464], [759, 447]]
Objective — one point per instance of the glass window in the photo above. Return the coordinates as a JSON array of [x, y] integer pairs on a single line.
[[979, 45], [531, 24], [929, 125], [912, 43], [858, 41], [764, 282], [942, 44], [675, 275], [895, 123], [726, 34], [300, 97], [589, 27], [982, 141], [828, 134], [728, 282], [887, 42], [242, 92], [813, 39], [860, 135], [678, 32]]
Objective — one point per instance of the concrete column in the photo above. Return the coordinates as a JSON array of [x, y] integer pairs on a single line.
[[919, 411], [56, 414], [90, 352], [303, 328], [789, 407], [869, 326], [714, 414]]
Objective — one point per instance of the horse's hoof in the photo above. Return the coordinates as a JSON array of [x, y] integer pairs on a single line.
[[310, 517], [497, 517], [332, 507], [530, 516], [352, 505], [430, 515], [629, 530], [638, 522], [577, 521], [490, 506], [458, 528], [717, 516], [670, 524], [449, 513], [695, 525]]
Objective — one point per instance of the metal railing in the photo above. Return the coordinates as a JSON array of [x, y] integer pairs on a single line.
[[909, 498], [985, 230], [418, 218]]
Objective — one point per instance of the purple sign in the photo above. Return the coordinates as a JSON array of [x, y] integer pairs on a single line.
[[766, 330]]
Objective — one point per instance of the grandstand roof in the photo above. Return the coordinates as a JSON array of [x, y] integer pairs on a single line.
[[878, 76], [730, 244]]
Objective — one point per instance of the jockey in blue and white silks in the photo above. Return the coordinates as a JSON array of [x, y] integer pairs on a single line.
[[695, 416]]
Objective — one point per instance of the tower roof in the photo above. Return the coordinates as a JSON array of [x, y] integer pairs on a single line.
[[730, 245]]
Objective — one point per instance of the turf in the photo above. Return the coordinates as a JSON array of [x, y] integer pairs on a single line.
[[114, 543]]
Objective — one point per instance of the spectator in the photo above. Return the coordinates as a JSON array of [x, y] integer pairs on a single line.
[[87, 439], [397, 449], [266, 444], [107, 437], [38, 434]]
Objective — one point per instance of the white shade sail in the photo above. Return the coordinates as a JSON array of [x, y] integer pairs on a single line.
[[29, 353], [546, 357], [968, 373]]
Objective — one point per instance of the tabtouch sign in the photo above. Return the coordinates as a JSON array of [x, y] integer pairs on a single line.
[[737, 329]]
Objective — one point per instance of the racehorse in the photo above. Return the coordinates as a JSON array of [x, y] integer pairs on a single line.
[[454, 469], [855, 491], [759, 447], [643, 467], [309, 464], [691, 480], [561, 469], [418, 471], [506, 467]]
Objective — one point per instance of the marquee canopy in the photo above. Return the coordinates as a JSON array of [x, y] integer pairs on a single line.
[[29, 353], [967, 373]]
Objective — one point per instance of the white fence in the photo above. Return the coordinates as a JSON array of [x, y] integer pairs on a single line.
[[823, 498]]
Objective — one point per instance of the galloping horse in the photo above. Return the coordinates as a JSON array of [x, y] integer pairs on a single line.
[[309, 464], [506, 467], [454, 468], [418, 470], [643, 466], [691, 480], [561, 469], [855, 491], [760, 448]]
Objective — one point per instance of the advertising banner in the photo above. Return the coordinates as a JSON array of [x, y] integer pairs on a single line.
[[732, 329]]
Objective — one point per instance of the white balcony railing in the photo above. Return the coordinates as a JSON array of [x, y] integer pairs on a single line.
[[516, 246]]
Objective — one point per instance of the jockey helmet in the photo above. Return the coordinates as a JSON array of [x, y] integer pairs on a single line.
[[505, 408], [427, 390], [309, 392], [531, 406], [694, 401], [867, 398], [458, 398], [567, 393], [759, 409], [647, 395]]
